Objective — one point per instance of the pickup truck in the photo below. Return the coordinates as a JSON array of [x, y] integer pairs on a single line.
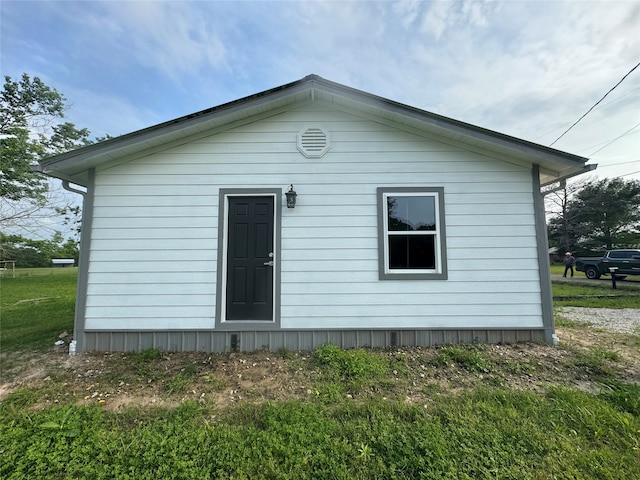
[[627, 262]]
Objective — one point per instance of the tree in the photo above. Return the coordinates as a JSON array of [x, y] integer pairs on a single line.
[[561, 224], [73, 219], [37, 253], [31, 128], [604, 214]]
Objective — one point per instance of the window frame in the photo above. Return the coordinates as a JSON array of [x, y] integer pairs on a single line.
[[386, 273]]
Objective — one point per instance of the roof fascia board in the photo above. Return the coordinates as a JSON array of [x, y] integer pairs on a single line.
[[157, 132], [450, 127], [313, 88]]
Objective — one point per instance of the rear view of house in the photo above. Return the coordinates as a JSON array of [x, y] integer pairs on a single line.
[[312, 213]]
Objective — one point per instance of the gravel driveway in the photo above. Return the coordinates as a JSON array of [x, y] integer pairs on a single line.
[[621, 320]]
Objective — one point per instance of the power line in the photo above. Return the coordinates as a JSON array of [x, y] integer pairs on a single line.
[[617, 164], [595, 105], [606, 142], [615, 139]]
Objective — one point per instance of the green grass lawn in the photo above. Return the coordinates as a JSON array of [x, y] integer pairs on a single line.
[[557, 269], [36, 307], [595, 294], [453, 412], [482, 434]]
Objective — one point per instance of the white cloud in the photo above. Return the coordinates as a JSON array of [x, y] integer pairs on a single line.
[[172, 38], [534, 65], [106, 114], [528, 69], [437, 19], [444, 15], [407, 12]]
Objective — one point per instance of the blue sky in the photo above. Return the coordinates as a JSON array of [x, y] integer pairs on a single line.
[[528, 69]]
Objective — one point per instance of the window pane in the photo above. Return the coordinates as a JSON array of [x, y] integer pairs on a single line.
[[622, 254], [412, 252], [411, 213]]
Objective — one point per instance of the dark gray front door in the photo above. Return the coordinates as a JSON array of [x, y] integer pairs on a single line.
[[250, 259]]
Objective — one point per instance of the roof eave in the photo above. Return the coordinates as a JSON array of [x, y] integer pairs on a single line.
[[70, 165], [451, 128]]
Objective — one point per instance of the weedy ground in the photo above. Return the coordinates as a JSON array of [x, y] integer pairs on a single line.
[[586, 360]]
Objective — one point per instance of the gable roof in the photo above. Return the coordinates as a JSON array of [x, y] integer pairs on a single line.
[[554, 164]]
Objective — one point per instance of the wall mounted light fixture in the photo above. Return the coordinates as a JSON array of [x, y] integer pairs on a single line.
[[291, 197]]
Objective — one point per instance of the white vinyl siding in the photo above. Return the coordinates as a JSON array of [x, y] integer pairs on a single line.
[[153, 259]]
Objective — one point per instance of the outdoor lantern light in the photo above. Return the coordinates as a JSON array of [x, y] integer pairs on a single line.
[[291, 197]]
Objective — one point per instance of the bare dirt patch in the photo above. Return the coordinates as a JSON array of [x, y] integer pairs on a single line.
[[584, 359]]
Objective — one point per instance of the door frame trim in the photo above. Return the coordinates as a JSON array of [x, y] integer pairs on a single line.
[[221, 282]]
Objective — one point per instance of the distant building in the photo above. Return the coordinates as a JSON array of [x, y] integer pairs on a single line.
[[63, 262]]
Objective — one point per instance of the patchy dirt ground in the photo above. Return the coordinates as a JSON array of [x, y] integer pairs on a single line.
[[586, 358]]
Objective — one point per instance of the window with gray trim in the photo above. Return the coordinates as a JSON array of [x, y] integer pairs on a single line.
[[411, 230]]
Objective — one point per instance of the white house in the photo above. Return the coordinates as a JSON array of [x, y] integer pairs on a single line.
[[409, 228]]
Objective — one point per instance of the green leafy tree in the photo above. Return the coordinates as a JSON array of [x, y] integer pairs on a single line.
[[604, 214], [31, 128], [29, 253], [72, 218]]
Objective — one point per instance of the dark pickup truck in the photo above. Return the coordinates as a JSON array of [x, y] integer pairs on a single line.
[[627, 262]]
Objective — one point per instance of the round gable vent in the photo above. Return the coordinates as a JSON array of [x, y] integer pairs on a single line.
[[313, 142]]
